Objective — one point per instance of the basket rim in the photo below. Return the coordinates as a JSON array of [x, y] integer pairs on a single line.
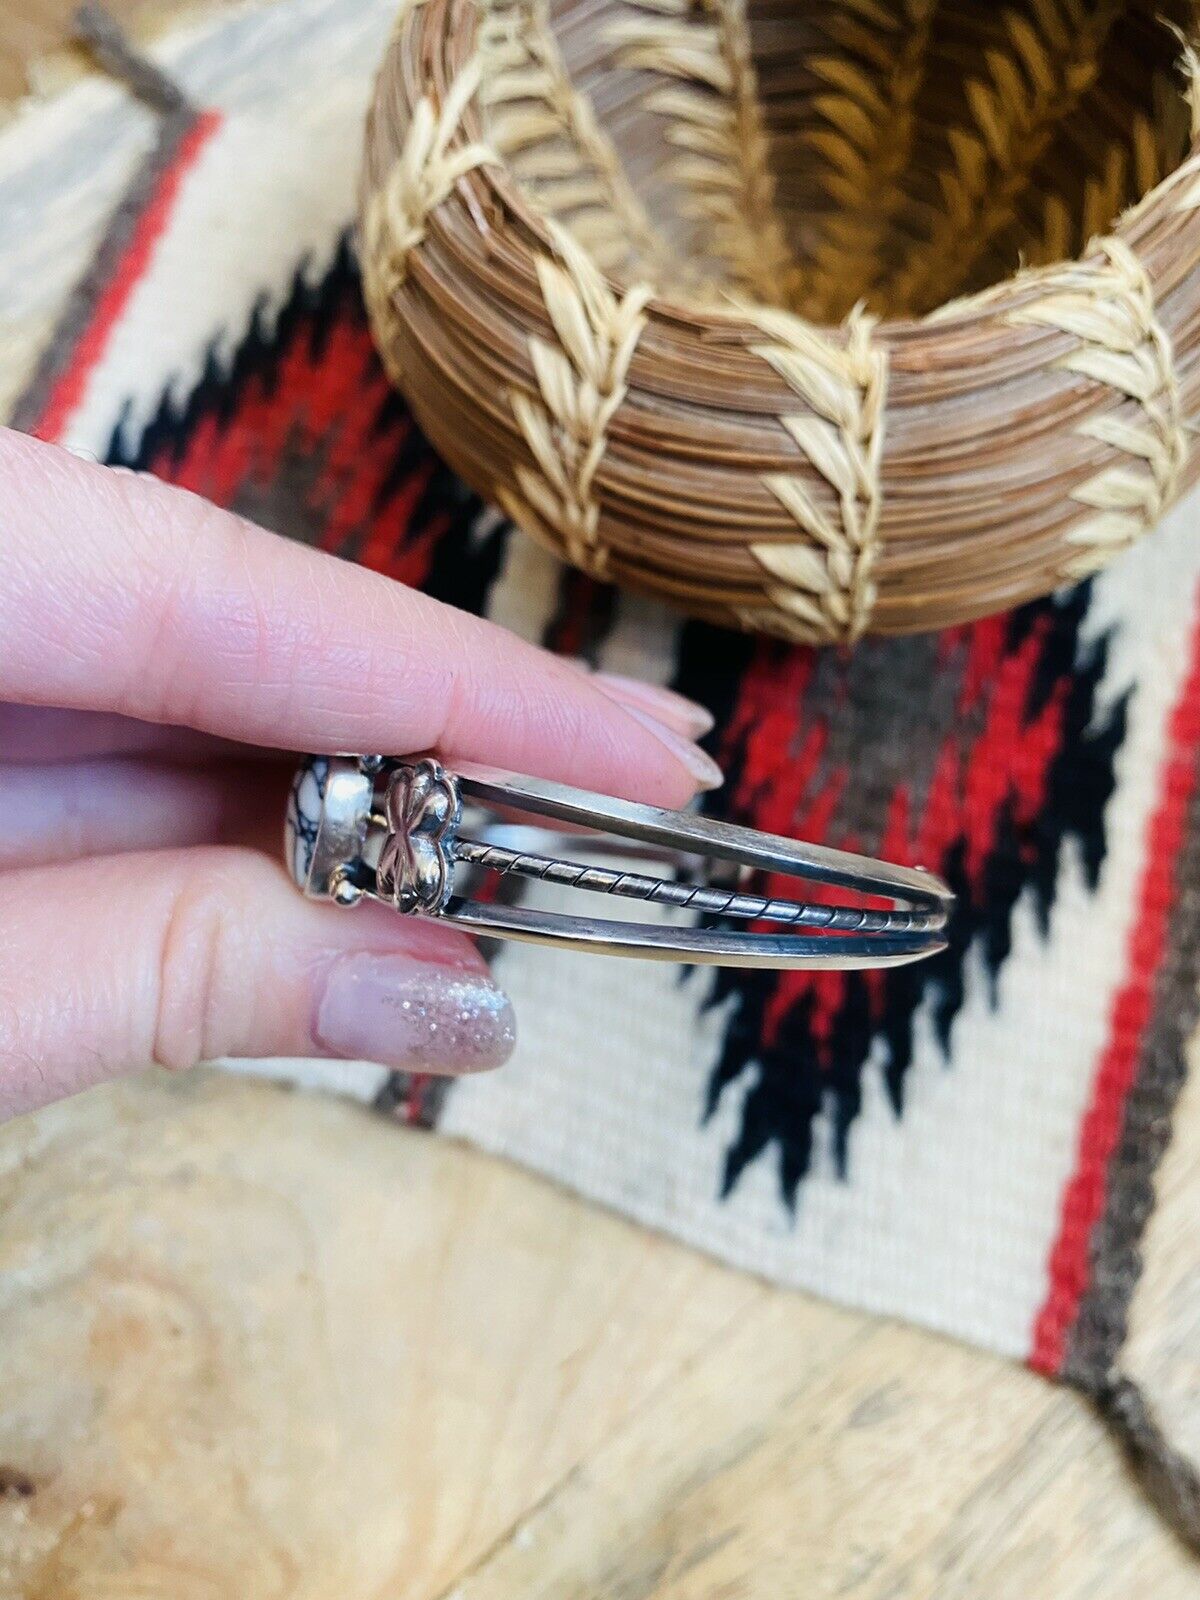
[[1137, 226]]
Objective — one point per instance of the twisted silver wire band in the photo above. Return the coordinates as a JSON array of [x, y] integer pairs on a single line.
[[692, 897]]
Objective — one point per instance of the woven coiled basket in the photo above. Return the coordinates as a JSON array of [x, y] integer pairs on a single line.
[[814, 318]]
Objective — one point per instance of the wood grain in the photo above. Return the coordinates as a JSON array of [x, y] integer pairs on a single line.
[[263, 1344]]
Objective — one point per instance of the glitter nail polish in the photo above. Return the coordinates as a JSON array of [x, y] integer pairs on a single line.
[[414, 1015]]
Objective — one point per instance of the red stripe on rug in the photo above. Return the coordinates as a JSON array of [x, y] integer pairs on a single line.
[[1084, 1197], [71, 384]]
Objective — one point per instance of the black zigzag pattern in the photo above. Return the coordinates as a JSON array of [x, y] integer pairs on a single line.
[[296, 423]]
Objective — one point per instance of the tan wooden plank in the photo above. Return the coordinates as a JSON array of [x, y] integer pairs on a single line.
[[903, 1466], [264, 1344], [256, 1343]]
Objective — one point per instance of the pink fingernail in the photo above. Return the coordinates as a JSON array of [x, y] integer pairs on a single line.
[[415, 1015], [675, 709], [703, 768]]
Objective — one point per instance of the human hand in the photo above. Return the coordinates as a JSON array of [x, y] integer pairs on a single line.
[[154, 652]]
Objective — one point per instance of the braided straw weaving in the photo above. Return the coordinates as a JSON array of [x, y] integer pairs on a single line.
[[770, 309]]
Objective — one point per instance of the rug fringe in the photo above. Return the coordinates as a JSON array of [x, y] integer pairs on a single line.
[[1170, 1482], [98, 30]]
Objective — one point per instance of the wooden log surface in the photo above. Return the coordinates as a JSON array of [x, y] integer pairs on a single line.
[[257, 1343]]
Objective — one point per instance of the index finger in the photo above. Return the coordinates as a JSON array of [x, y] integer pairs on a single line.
[[122, 594]]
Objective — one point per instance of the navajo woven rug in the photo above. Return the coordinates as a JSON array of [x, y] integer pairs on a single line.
[[969, 1143]]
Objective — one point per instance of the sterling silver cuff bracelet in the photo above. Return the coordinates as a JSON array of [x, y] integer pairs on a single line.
[[392, 830]]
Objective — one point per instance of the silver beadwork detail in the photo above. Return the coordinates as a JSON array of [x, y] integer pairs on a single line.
[[416, 865]]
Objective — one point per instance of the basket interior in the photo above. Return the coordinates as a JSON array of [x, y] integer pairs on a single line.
[[819, 153]]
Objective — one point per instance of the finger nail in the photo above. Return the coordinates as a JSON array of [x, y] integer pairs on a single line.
[[703, 768], [415, 1015], [674, 709]]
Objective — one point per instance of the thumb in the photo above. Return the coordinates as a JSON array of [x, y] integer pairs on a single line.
[[180, 956]]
